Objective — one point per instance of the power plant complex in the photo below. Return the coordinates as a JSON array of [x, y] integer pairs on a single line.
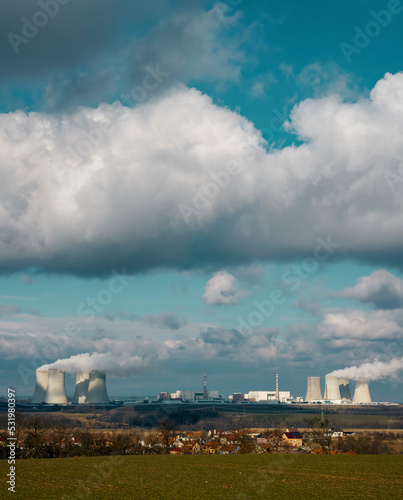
[[50, 388], [90, 388]]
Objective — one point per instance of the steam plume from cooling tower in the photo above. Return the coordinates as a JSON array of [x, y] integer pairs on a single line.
[[377, 370], [114, 364]]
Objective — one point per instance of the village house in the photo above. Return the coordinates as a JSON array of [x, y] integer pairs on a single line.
[[226, 449], [230, 439], [293, 437], [211, 447]]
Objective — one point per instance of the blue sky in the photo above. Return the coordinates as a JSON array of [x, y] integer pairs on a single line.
[[209, 186]]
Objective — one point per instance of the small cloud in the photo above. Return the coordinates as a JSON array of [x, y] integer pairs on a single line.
[[380, 289], [262, 84], [222, 289], [258, 89]]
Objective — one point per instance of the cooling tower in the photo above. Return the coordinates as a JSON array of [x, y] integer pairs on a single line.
[[81, 391], [313, 392], [40, 386], [361, 393], [56, 391], [344, 387], [97, 388], [332, 391]]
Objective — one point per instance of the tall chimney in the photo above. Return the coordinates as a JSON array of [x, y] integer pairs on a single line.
[[205, 394], [277, 393]]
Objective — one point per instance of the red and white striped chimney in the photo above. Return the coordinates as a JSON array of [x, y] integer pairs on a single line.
[[277, 393]]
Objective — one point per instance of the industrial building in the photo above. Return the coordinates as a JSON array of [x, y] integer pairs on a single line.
[[238, 397], [259, 396], [192, 396], [262, 396]]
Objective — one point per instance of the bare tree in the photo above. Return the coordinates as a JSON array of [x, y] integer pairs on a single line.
[[319, 434], [166, 430]]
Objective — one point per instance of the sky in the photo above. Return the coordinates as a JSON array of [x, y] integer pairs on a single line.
[[190, 186]]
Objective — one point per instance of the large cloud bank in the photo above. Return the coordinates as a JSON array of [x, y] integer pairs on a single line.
[[106, 187]]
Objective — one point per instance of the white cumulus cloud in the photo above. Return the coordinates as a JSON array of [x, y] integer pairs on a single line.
[[222, 289]]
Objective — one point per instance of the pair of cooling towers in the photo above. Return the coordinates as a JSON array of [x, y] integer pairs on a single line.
[[50, 388]]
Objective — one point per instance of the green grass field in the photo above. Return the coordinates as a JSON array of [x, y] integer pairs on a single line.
[[209, 477]]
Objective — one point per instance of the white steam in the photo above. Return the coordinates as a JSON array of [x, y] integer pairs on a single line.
[[119, 365], [377, 370]]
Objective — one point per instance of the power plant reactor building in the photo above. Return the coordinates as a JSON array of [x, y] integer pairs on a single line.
[[361, 393], [313, 392], [276, 395]]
